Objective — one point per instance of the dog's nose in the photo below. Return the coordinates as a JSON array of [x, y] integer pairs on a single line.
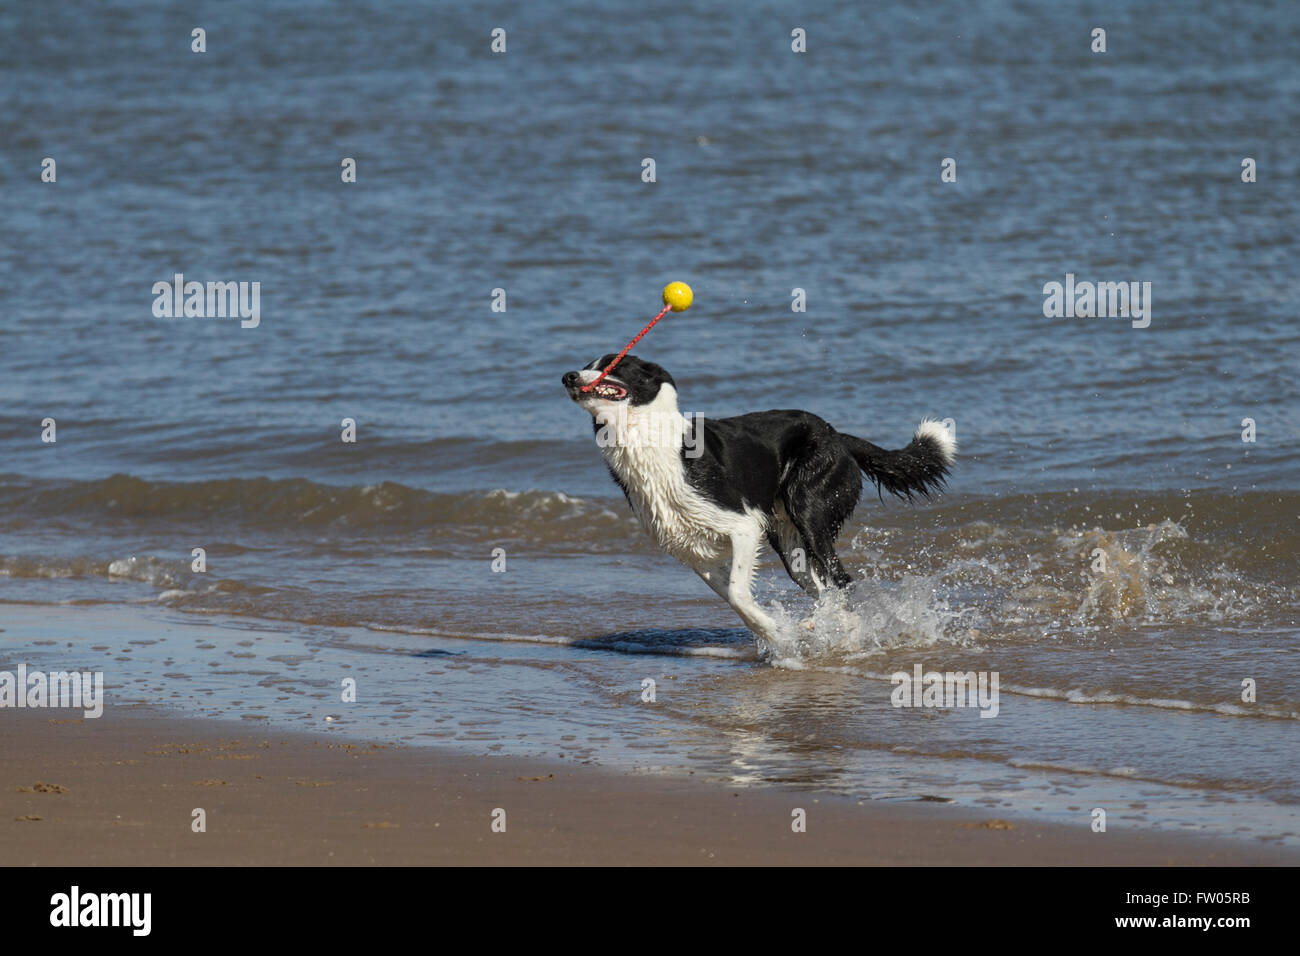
[[570, 379]]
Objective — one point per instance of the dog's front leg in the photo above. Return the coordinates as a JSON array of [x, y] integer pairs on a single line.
[[720, 579], [740, 595], [716, 578]]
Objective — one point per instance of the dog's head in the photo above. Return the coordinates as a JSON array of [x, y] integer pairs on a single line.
[[632, 383]]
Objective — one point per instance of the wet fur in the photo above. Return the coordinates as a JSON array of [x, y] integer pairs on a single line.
[[783, 477]]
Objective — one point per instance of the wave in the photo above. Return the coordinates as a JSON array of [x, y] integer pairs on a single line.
[[1119, 698], [269, 505], [964, 574], [958, 522]]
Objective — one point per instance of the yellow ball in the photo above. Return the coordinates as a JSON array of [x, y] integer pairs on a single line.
[[679, 296]]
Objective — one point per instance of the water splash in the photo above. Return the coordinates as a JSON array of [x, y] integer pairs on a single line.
[[870, 616]]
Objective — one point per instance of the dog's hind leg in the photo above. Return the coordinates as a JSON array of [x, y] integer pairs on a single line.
[[822, 557], [820, 495], [790, 546], [831, 561]]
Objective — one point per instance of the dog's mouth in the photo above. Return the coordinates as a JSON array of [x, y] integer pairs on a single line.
[[609, 390]]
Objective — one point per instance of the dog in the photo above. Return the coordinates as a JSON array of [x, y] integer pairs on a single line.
[[710, 491]]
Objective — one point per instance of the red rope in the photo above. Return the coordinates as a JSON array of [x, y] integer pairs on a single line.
[[610, 367]]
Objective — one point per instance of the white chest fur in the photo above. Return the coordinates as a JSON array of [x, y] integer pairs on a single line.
[[643, 445]]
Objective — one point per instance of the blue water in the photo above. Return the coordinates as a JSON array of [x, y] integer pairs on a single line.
[[775, 171]]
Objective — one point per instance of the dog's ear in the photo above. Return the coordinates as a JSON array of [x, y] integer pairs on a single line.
[[658, 373]]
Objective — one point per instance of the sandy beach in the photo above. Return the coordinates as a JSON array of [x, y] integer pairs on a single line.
[[244, 721], [121, 791]]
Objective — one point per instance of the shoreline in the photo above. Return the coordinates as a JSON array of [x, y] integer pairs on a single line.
[[238, 719], [121, 790]]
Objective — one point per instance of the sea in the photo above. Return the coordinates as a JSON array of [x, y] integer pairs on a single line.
[[871, 225]]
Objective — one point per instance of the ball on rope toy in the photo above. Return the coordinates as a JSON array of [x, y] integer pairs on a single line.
[[677, 298]]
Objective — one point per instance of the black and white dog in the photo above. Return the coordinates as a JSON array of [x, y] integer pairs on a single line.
[[709, 491]]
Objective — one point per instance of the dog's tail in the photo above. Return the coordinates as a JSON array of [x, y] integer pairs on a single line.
[[917, 470]]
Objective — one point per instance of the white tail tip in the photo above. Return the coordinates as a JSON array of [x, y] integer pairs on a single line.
[[940, 434]]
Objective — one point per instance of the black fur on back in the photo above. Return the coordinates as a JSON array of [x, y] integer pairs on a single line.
[[795, 461], [798, 472]]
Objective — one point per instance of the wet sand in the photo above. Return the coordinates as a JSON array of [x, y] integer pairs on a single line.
[[121, 790]]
